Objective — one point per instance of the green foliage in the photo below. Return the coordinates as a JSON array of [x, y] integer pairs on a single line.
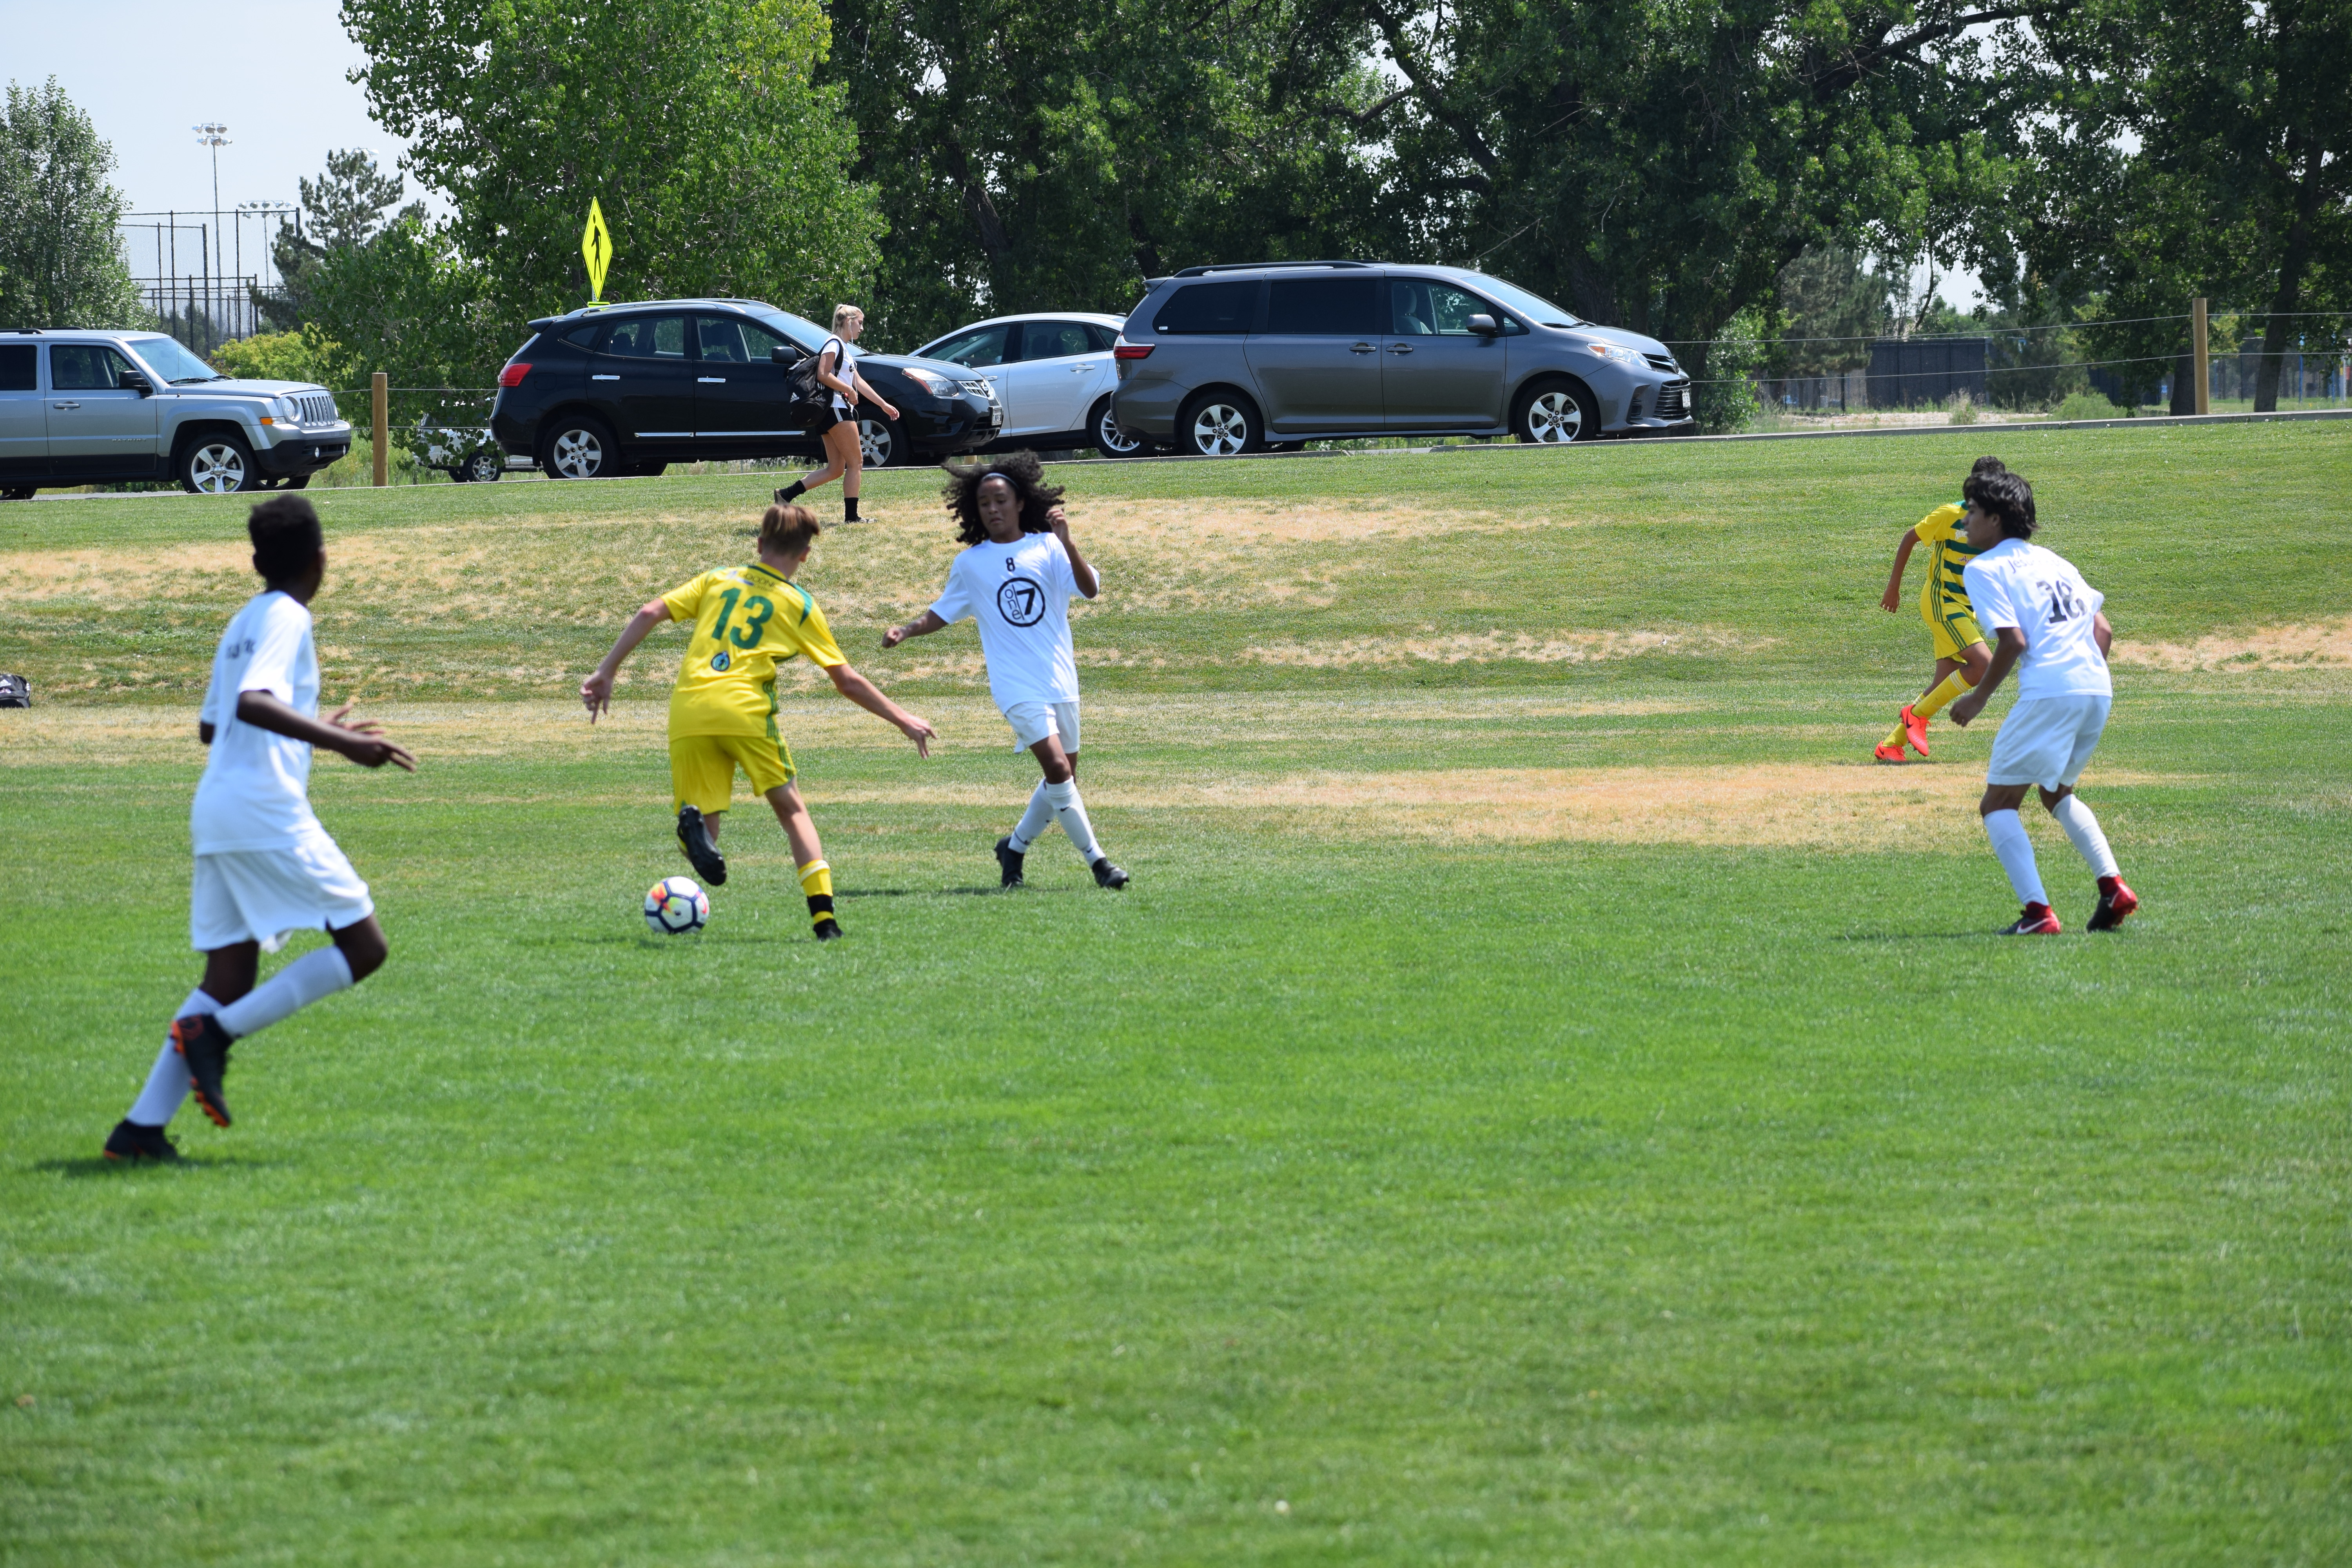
[[2200, 148], [347, 206], [2088, 405], [61, 260], [1660, 166], [304, 355], [1723, 398], [720, 165], [1035, 155], [1832, 304], [406, 303]]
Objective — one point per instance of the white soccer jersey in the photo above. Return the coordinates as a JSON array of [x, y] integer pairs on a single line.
[[844, 367], [254, 793], [1020, 595], [2018, 583]]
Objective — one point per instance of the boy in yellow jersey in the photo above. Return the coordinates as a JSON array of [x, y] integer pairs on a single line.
[[1961, 655], [722, 713]]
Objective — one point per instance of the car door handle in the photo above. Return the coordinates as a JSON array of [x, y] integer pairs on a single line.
[[1081, 369], [710, 380], [68, 405], [1400, 348], [604, 378], [1363, 348]]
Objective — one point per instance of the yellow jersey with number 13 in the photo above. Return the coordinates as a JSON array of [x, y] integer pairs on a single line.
[[747, 620]]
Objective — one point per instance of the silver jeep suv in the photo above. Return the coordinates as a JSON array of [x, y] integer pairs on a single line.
[[91, 407], [1222, 360]]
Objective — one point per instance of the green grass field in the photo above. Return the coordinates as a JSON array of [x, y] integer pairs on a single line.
[[1545, 1098]]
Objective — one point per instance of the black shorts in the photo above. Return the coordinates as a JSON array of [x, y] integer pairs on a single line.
[[825, 419]]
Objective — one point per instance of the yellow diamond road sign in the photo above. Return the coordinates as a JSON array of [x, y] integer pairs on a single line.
[[596, 248]]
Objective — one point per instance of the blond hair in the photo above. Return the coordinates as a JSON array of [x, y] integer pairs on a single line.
[[842, 313], [787, 530]]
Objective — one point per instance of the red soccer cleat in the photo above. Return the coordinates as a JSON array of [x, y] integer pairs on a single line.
[[2116, 901], [2034, 920], [1915, 730], [1887, 754]]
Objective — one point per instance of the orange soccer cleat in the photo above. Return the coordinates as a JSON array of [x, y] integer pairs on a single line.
[[1915, 730], [1890, 753]]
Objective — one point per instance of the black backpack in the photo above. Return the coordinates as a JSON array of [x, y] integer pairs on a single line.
[[812, 399], [14, 691]]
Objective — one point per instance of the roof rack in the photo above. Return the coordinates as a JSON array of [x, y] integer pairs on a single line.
[[1262, 267]]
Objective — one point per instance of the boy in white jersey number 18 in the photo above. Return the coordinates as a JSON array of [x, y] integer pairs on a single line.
[[265, 867], [2050, 630], [1017, 581]]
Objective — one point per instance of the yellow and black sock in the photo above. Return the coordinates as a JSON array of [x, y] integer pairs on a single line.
[[816, 881], [1947, 689]]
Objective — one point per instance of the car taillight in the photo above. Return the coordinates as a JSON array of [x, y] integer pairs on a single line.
[[1133, 351], [512, 375]]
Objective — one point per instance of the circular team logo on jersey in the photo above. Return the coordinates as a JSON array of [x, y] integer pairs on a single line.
[[721, 660], [1021, 601]]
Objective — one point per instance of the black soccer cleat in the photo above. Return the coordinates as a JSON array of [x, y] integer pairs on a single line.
[[695, 834], [1009, 861], [131, 1142], [827, 929], [204, 1045], [1108, 875]]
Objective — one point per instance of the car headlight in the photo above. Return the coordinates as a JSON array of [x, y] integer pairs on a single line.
[[937, 386], [288, 410], [1617, 353]]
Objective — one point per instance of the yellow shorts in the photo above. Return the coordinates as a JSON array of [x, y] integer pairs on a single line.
[[1955, 629], [702, 768]]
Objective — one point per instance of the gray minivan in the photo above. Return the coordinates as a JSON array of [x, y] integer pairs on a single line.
[[1219, 360]]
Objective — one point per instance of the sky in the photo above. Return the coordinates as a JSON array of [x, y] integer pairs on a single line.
[[146, 71], [272, 70]]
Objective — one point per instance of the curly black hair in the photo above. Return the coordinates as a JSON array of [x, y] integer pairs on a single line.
[[1984, 469], [2009, 498], [1020, 470]]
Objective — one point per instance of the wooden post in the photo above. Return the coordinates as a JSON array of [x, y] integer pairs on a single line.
[[2203, 372], [379, 392]]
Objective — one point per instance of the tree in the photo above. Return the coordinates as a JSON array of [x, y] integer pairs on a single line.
[[1658, 166], [2200, 147], [720, 165], [1036, 154], [347, 206], [61, 260]]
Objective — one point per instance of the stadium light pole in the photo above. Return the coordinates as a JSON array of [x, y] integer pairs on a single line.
[[265, 210], [212, 134]]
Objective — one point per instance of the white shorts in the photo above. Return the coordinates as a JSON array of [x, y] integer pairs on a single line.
[[2045, 741], [1033, 721], [267, 895]]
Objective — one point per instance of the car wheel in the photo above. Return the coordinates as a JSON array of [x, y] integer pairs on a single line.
[[1554, 413], [1109, 439], [458, 476], [1218, 424], [217, 466], [580, 448], [882, 444], [483, 467]]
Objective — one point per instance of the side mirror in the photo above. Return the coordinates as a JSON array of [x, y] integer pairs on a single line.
[[788, 353], [1484, 325], [137, 383]]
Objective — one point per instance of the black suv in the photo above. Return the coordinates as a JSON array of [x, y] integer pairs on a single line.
[[614, 390]]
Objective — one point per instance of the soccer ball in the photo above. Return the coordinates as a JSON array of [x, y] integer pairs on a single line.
[[676, 905]]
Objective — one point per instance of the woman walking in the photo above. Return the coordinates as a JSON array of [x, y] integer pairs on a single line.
[[836, 370]]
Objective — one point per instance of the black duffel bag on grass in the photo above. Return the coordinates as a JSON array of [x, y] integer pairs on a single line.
[[16, 691]]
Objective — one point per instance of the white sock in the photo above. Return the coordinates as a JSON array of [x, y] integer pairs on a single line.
[[167, 1081], [291, 989], [1033, 821], [2084, 829], [1071, 812], [2016, 852]]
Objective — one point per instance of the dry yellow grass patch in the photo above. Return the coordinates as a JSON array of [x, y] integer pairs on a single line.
[[1483, 648], [2265, 647], [1779, 807]]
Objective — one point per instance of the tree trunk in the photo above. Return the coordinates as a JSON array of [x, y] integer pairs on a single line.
[[2295, 256]]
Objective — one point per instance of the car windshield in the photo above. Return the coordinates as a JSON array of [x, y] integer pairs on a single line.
[[174, 363], [807, 333], [1535, 307]]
